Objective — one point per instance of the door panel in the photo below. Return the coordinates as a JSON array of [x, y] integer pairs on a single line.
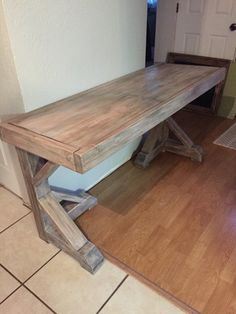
[[196, 6], [191, 43], [224, 7], [189, 23], [217, 46], [234, 10]]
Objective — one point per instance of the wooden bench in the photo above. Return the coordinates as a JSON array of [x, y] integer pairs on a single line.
[[208, 102]]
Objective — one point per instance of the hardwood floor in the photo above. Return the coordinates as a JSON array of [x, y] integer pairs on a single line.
[[174, 223]]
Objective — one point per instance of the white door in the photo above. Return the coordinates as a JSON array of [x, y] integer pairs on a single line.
[[217, 39], [179, 27], [189, 26], [203, 28]]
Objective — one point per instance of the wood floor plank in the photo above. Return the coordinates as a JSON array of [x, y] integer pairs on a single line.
[[174, 223]]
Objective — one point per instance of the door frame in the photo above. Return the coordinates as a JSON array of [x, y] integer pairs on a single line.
[[166, 20]]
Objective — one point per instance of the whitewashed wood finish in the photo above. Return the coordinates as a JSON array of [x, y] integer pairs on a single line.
[[37, 144], [54, 222], [27, 168], [158, 140], [62, 221], [81, 131], [75, 205], [46, 170]]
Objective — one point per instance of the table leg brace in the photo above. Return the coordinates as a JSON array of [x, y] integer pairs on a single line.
[[54, 222], [157, 140]]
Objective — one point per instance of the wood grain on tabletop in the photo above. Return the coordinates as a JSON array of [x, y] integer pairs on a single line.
[[174, 222], [82, 130]]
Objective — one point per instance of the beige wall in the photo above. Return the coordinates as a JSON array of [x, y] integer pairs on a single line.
[[10, 104], [65, 46], [62, 47], [11, 100], [228, 106]]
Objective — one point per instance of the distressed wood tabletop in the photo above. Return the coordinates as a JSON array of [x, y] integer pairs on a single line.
[[81, 131]]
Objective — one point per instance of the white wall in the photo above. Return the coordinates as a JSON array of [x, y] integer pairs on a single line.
[[62, 47], [10, 103], [165, 29], [11, 100]]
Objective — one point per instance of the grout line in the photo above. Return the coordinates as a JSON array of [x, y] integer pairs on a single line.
[[9, 272], [119, 285], [15, 222], [41, 267], [11, 294], [37, 297], [7, 189], [20, 283]]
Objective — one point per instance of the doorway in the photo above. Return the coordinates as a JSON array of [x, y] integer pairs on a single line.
[[151, 31]]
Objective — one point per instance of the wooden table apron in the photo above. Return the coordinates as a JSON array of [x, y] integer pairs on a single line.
[[81, 131]]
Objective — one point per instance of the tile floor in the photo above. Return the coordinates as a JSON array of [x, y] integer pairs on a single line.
[[35, 277]]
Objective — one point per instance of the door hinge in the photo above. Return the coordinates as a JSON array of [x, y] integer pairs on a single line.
[[177, 7]]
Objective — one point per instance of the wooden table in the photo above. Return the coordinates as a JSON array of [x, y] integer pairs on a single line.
[[81, 131]]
